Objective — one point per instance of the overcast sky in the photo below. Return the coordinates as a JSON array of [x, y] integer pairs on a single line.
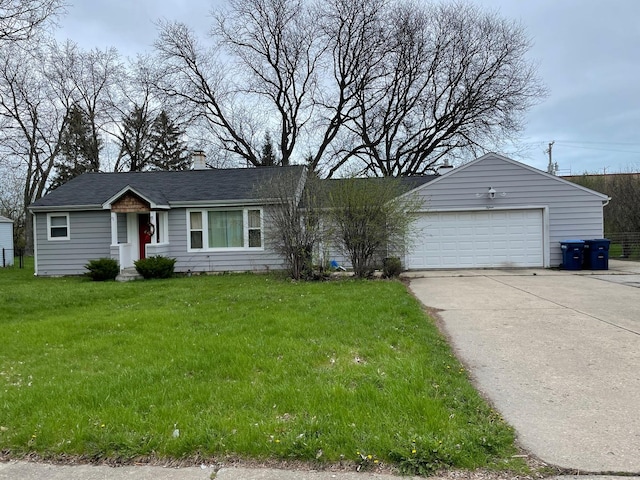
[[587, 52]]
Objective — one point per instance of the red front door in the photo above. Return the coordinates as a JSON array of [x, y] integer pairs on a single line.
[[144, 232]]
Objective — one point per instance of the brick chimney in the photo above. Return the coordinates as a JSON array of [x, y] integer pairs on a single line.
[[199, 159]]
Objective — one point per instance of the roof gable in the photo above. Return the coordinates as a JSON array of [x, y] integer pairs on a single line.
[[129, 191], [494, 156]]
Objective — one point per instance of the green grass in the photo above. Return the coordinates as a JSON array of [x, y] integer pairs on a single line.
[[616, 250], [247, 366]]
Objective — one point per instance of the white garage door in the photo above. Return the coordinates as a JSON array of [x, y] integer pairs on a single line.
[[493, 238]]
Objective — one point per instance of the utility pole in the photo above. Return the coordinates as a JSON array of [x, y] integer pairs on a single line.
[[551, 168]]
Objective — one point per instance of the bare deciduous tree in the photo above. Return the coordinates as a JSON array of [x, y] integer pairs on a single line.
[[89, 79], [34, 121], [370, 219], [391, 86], [454, 79], [191, 76], [277, 48], [20, 19], [295, 226], [296, 71]]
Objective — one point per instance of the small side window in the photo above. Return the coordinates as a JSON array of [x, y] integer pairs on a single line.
[[195, 220], [58, 226], [255, 228]]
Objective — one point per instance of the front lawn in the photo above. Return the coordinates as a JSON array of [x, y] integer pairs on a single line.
[[236, 366]]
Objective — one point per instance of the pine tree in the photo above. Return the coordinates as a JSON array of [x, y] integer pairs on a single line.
[[136, 146], [79, 150], [267, 155], [170, 152]]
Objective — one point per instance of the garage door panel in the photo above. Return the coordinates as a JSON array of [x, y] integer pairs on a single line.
[[479, 239]]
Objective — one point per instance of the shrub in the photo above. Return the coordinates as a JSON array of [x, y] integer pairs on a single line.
[[391, 267], [155, 267], [102, 269]]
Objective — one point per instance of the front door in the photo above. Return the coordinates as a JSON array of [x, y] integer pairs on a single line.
[[144, 232]]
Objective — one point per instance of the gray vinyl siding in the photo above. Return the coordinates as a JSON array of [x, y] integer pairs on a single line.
[[574, 212], [90, 238], [90, 234], [233, 261]]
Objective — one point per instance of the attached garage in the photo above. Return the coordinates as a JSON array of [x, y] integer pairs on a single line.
[[477, 239], [495, 212]]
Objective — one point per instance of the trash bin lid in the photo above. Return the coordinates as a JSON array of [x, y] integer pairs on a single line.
[[572, 241]]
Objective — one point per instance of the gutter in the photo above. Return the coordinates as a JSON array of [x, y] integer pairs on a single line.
[[60, 208]]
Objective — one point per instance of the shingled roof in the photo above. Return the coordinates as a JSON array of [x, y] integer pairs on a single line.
[[405, 184], [92, 190]]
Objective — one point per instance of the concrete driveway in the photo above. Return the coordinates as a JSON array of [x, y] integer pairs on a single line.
[[558, 354]]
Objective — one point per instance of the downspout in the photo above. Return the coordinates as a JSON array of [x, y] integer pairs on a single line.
[[606, 202], [35, 246]]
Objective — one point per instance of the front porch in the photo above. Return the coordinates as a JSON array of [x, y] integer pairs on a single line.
[[137, 229]]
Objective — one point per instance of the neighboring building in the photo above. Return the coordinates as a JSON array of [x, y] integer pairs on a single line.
[[492, 212], [7, 251]]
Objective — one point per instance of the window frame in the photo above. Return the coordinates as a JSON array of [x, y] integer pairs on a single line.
[[53, 238], [191, 230], [204, 212]]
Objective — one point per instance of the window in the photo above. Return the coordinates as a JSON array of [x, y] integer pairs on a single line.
[[58, 226], [255, 228], [225, 229], [195, 227]]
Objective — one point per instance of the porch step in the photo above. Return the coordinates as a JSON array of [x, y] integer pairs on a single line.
[[128, 274]]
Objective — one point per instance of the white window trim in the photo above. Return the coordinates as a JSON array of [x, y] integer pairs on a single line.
[[163, 218], [55, 239], [205, 230]]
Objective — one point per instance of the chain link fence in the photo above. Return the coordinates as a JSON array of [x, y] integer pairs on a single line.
[[624, 245], [12, 258]]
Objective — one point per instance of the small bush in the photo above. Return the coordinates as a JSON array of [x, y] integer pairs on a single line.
[[102, 269], [391, 267], [155, 267]]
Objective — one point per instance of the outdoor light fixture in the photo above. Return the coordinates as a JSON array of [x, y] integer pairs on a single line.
[[491, 194]]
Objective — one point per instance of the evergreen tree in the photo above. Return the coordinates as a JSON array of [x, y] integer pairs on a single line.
[[136, 145], [79, 149], [267, 155], [170, 152]]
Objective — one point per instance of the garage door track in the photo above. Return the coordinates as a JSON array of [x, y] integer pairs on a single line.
[[558, 354]]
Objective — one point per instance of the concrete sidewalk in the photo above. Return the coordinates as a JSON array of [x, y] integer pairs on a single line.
[[39, 471], [44, 471], [557, 352]]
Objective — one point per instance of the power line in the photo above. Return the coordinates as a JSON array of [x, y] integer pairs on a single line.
[[605, 149], [599, 143]]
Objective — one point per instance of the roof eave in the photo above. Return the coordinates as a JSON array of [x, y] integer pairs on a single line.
[[62, 208], [222, 203]]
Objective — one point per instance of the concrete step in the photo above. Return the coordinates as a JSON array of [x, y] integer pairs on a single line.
[[128, 274]]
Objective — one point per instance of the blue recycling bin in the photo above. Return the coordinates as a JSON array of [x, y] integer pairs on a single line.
[[572, 254], [596, 254]]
